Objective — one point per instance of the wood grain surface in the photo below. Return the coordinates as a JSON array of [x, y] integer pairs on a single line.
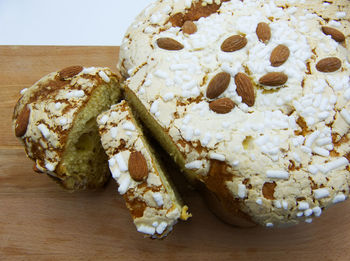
[[41, 221]]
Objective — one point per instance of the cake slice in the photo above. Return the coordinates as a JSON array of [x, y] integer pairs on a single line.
[[55, 119], [154, 204]]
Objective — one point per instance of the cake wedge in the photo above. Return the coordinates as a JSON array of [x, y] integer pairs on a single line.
[[154, 204], [55, 120]]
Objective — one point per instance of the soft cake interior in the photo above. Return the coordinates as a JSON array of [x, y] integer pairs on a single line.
[[157, 131], [84, 162]]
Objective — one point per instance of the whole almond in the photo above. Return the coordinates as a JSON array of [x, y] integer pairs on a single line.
[[234, 43], [245, 88], [273, 79], [169, 44], [22, 122], [222, 106], [329, 64], [189, 27], [279, 55], [70, 71], [218, 85], [137, 166], [263, 32], [334, 33]]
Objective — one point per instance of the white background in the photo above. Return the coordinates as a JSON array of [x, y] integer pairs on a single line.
[[66, 22]]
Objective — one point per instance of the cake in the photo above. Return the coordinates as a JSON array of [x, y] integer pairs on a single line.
[[154, 204], [250, 98], [55, 119]]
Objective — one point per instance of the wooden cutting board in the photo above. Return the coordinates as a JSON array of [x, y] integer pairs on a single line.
[[40, 221]]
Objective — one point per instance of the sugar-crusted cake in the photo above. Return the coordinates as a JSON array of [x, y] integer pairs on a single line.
[[56, 121], [251, 98], [154, 204]]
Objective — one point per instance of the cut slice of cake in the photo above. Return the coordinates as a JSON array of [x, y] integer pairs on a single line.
[[154, 204], [55, 119]]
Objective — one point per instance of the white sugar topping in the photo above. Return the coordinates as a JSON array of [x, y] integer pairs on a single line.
[[156, 18], [114, 132], [49, 166], [334, 23], [120, 161], [339, 198], [63, 120], [206, 139], [321, 193], [317, 211], [259, 201], [197, 164], [277, 204], [340, 15], [129, 126], [44, 130], [146, 229], [154, 107], [23, 91], [124, 183], [296, 157], [311, 138], [173, 213], [324, 141], [168, 96], [284, 204], [114, 168], [308, 212], [161, 227], [103, 120], [104, 76], [303, 205], [241, 191], [89, 70], [321, 151], [336, 164], [158, 198], [346, 115], [278, 174], [75, 94], [312, 169], [161, 74], [58, 105], [217, 156], [298, 141], [111, 162], [269, 225], [308, 220]]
